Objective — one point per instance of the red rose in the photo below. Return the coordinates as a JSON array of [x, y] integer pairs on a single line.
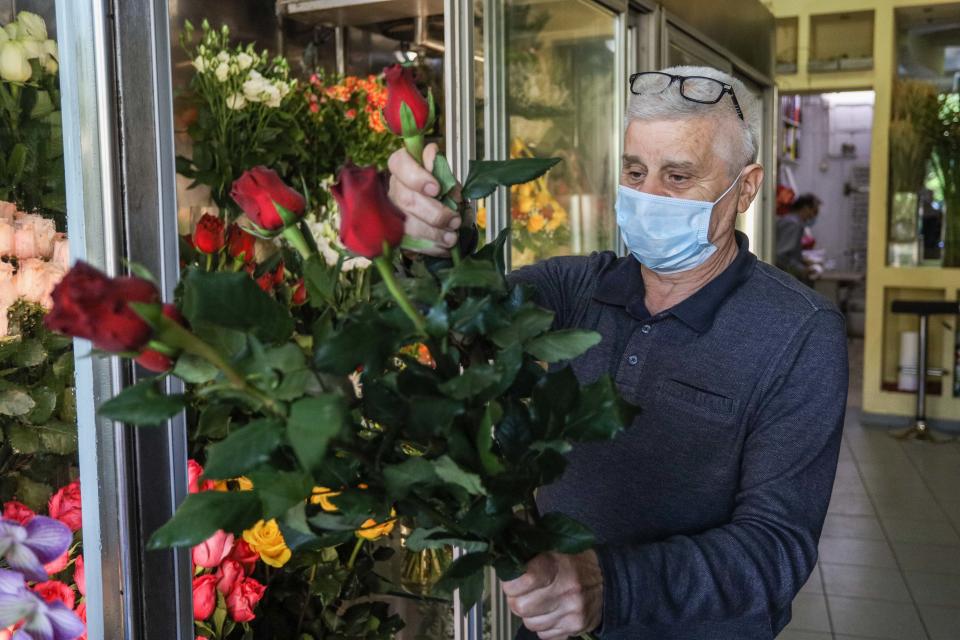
[[401, 89], [64, 505], [368, 218], [244, 597], [214, 550], [299, 293], [246, 556], [208, 236], [204, 596], [80, 575], [18, 512], [89, 304], [56, 566], [153, 360], [227, 575], [258, 192], [240, 244], [265, 282], [54, 590], [194, 471], [81, 612]]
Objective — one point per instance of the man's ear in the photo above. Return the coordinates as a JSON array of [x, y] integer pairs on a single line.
[[752, 179]]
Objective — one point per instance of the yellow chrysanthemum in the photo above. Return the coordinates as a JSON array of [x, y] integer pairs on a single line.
[[536, 223], [266, 539], [323, 497]]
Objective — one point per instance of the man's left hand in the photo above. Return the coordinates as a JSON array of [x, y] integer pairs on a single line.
[[559, 596]]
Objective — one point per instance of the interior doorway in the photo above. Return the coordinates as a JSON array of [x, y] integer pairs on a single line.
[[824, 148]]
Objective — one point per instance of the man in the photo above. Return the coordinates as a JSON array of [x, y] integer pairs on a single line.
[[790, 228], [708, 509]]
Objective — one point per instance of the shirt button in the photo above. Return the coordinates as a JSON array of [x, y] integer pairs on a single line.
[[633, 360], [645, 328]]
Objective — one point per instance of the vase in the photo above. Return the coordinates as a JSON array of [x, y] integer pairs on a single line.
[[903, 217]]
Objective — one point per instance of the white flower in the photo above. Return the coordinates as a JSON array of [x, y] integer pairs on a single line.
[[244, 61], [222, 72], [200, 64], [13, 31], [50, 48], [255, 88], [33, 50], [272, 96], [3, 35], [32, 26], [236, 101], [51, 66], [284, 88], [14, 65], [223, 56]]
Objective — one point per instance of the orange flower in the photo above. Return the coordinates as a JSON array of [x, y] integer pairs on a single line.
[[323, 497], [372, 530], [376, 122]]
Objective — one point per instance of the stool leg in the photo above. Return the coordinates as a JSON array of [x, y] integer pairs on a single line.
[[920, 430]]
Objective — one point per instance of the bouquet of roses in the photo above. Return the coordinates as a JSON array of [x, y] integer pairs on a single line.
[[427, 401], [43, 590]]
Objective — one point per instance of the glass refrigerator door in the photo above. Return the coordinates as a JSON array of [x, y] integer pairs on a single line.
[[563, 89]]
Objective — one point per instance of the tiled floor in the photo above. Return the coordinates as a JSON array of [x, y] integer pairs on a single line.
[[890, 551]]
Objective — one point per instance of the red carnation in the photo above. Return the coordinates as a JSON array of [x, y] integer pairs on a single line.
[[240, 244], [368, 218], [89, 304], [258, 192], [401, 89], [208, 237]]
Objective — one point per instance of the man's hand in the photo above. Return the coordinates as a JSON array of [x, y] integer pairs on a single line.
[[559, 596], [413, 189]]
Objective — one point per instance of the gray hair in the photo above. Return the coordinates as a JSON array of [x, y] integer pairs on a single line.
[[670, 105]]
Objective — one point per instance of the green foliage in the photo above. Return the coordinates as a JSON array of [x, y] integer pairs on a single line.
[[38, 433]]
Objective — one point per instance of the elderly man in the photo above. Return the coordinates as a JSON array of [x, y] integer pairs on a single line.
[[708, 509]]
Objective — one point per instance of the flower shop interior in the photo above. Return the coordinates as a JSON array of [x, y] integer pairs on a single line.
[[125, 126]]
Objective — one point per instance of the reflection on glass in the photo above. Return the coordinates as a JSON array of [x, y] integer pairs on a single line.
[[924, 202], [560, 84]]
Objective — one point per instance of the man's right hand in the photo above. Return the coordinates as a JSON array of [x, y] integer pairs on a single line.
[[413, 189]]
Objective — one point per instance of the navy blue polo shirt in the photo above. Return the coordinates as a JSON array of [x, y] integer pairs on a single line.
[[708, 508]]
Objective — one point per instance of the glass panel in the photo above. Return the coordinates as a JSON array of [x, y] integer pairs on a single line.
[[924, 227], [560, 75], [38, 428]]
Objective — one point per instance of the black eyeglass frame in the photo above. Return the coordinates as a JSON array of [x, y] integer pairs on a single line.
[[725, 88]]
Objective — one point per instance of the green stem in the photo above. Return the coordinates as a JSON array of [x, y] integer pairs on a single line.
[[356, 552], [455, 256], [385, 268], [293, 235], [414, 145], [209, 262]]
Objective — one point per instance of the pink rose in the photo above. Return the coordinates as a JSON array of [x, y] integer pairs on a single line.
[[244, 597], [227, 575], [210, 553], [6, 237], [33, 236], [54, 590], [8, 285], [36, 280], [18, 512], [7, 210], [204, 596], [80, 575], [61, 252], [64, 505], [246, 556], [58, 565], [194, 471]]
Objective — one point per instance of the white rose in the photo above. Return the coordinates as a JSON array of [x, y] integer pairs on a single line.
[[33, 50], [223, 56], [32, 26], [8, 286], [13, 31], [36, 280], [272, 96], [236, 102], [61, 252], [14, 66], [51, 49], [51, 66], [33, 236], [3, 35], [6, 238], [7, 210], [200, 64], [222, 72]]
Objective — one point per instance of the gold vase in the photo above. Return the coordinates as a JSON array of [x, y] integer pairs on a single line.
[[422, 569]]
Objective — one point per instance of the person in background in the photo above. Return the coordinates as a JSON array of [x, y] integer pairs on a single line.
[[790, 229]]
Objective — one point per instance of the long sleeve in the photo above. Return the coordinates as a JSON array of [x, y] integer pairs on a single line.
[[758, 561], [789, 252]]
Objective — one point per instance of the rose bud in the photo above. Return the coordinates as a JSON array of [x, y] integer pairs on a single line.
[[157, 361], [208, 237], [299, 293], [240, 244], [204, 596], [243, 599], [368, 218], [214, 550], [401, 89], [89, 304], [265, 282], [258, 192]]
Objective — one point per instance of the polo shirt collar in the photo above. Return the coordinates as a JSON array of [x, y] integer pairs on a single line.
[[622, 285]]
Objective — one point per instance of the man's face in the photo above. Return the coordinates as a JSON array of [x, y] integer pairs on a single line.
[[680, 159]]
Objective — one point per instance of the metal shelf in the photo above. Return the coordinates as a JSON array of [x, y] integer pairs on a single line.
[[345, 13]]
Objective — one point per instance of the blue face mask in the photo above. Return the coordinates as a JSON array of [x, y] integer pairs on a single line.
[[667, 235]]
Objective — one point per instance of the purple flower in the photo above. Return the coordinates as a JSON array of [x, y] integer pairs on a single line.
[[41, 620], [27, 548]]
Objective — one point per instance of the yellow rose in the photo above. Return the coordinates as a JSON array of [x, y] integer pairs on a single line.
[[536, 223], [558, 220], [244, 483], [372, 530], [265, 538], [482, 217], [322, 496]]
